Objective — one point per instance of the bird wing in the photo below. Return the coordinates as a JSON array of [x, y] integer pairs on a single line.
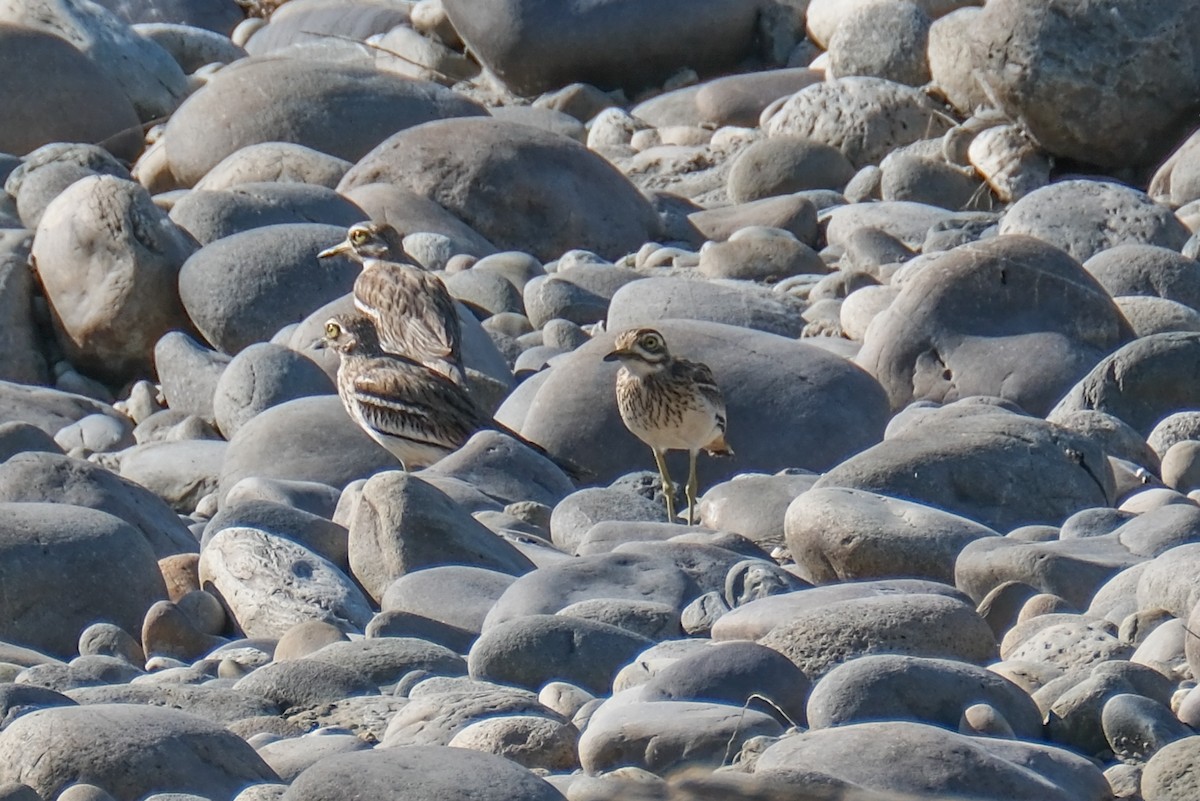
[[412, 310], [409, 401], [702, 378]]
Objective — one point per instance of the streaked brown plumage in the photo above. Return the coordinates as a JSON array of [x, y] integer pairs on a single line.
[[411, 307], [669, 404], [411, 410]]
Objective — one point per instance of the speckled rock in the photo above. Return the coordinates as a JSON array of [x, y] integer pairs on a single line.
[[883, 40]]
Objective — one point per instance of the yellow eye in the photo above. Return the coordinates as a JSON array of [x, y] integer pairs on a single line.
[[652, 343], [358, 236], [332, 330]]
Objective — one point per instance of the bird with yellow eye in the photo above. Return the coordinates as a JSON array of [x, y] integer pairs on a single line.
[[669, 404], [413, 311]]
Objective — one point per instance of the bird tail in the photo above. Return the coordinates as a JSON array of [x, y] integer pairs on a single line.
[[719, 447]]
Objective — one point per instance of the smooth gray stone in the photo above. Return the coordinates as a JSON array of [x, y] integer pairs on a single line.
[[292, 756], [631, 576], [46, 172], [535, 49], [1085, 217], [1054, 472], [535, 649], [1147, 270], [1084, 107], [268, 584], [262, 376], [753, 505], [575, 406], [402, 524], [574, 516], [707, 565], [351, 21], [545, 118], [67, 78], [937, 626], [457, 595], [1154, 315], [242, 289], [732, 673], [21, 699], [145, 73], [837, 112], [18, 437], [53, 478], [409, 211], [82, 671], [212, 214], [304, 682], [782, 165], [23, 360], [741, 99], [109, 262], [931, 340], [181, 473], [1114, 435], [226, 115], [567, 196], [1155, 382], [1137, 727], [147, 749], [909, 176], [650, 619], [660, 736], [308, 496], [405, 624], [275, 162], [420, 773], [836, 534], [1170, 773], [505, 469], [314, 532], [793, 213], [1073, 704], [485, 290], [934, 761], [189, 373], [934, 691], [385, 661]]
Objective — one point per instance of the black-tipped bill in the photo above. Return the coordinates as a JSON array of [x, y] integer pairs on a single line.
[[342, 248]]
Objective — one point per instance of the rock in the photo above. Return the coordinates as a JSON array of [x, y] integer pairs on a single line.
[[419, 773], [440, 707], [650, 619], [192, 46], [793, 213], [1147, 270], [291, 756], [22, 359], [934, 691], [67, 78], [385, 661], [189, 373], [661, 735], [882, 40], [950, 60], [144, 72], [1153, 382], [304, 683], [146, 749], [267, 265], [280, 162], [224, 117], [1137, 727], [1085, 217], [403, 524], [456, 163], [782, 165], [1070, 108], [935, 761], [98, 294], [209, 215], [1073, 569], [406, 210], [268, 584], [1147, 315], [1073, 704], [864, 117], [1175, 181], [755, 253], [314, 532], [753, 505], [181, 473], [262, 376], [740, 99], [749, 366], [534, 49], [1067, 641], [819, 639], [1168, 775], [839, 534], [916, 464], [650, 300], [456, 595], [925, 344], [168, 632], [528, 740], [53, 478], [505, 469], [905, 220]]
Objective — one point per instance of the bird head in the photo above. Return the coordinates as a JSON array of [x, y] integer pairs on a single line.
[[641, 350], [351, 334], [369, 240]]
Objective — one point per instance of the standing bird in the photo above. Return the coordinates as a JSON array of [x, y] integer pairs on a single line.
[[411, 307], [669, 404]]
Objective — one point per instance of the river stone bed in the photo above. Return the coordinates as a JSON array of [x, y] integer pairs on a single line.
[[941, 256]]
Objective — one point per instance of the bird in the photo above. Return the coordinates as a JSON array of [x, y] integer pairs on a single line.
[[411, 307], [416, 413], [669, 404]]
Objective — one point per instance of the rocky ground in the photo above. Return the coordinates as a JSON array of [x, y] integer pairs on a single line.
[[938, 254]]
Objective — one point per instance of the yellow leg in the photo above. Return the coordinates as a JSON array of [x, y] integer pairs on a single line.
[[668, 487], [691, 488]]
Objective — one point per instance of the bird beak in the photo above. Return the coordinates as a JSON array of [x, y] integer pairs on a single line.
[[615, 355], [320, 344], [336, 250]]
